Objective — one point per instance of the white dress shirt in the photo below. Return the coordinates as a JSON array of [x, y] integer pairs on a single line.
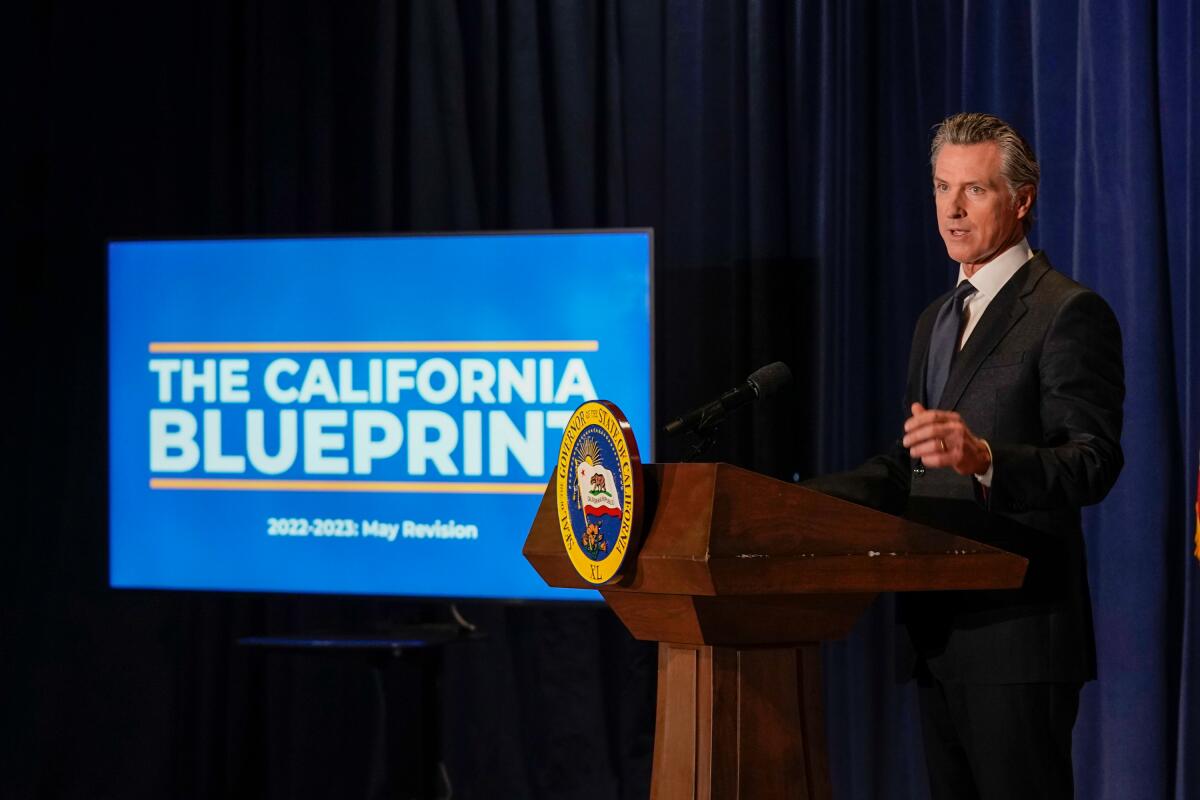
[[988, 280]]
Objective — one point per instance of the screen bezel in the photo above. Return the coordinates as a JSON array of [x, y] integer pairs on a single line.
[[650, 447]]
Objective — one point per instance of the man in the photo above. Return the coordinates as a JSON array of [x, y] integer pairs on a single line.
[[1015, 392]]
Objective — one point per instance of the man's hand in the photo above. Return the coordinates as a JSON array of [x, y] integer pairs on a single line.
[[942, 439]]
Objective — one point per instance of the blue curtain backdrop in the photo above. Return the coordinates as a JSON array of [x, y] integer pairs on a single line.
[[780, 152]]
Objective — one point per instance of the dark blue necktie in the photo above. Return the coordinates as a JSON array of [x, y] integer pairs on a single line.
[[943, 343]]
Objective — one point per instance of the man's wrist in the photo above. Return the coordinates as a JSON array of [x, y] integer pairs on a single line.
[[985, 476]]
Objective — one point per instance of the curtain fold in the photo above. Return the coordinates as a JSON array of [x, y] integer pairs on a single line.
[[1177, 41]]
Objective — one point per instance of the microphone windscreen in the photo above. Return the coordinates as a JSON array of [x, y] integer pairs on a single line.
[[766, 380]]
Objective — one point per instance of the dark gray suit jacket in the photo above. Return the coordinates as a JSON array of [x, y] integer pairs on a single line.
[[1042, 379]]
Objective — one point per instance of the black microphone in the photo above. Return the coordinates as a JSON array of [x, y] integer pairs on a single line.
[[761, 383]]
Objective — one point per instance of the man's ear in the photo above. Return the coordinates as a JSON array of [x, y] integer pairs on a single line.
[[1024, 200]]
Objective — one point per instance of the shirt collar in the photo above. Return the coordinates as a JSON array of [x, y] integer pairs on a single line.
[[989, 279]]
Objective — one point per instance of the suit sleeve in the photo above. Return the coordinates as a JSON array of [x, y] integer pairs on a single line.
[[1082, 392], [881, 482]]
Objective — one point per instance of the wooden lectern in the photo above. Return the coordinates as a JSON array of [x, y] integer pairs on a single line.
[[739, 577]]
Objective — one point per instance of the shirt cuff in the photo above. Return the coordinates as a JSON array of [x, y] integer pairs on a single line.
[[986, 478]]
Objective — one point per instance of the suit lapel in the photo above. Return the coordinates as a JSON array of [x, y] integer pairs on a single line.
[[1001, 315]]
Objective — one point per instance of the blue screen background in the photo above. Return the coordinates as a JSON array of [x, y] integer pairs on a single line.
[[560, 286]]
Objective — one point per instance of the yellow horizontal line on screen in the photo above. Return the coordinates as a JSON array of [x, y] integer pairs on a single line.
[[532, 346], [403, 487]]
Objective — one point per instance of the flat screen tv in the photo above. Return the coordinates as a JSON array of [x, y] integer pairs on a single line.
[[360, 415]]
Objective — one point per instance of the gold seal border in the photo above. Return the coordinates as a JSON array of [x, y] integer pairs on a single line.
[[594, 412]]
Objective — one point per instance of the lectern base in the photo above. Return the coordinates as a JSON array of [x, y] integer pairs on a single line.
[[745, 723]]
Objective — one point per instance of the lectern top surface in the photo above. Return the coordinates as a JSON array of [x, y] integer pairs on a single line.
[[720, 530]]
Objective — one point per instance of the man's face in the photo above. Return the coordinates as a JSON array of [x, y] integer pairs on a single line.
[[977, 216]]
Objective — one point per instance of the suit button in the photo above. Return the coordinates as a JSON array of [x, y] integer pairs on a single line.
[[918, 469]]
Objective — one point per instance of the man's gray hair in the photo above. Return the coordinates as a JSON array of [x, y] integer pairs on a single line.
[[1018, 164]]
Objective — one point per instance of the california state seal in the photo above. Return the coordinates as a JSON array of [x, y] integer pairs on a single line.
[[599, 476]]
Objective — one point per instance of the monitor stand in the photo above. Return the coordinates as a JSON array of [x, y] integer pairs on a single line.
[[427, 779]]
